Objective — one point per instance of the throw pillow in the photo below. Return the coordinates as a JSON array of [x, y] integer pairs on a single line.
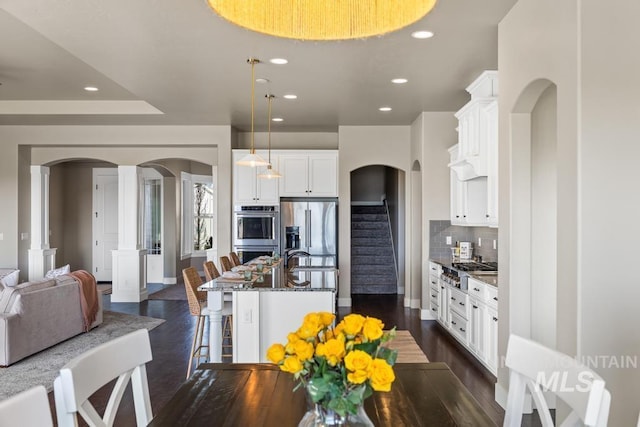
[[52, 274], [11, 279]]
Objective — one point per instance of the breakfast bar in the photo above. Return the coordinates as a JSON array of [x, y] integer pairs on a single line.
[[267, 307]]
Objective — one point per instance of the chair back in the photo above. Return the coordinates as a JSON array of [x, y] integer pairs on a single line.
[[210, 271], [234, 259], [123, 358], [29, 408], [225, 263], [535, 367], [194, 297]]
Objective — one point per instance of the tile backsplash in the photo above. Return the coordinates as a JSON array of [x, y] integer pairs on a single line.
[[439, 230]]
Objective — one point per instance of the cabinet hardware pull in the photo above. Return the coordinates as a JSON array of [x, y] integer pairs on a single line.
[[461, 303], [495, 298], [453, 323], [457, 216], [441, 287], [433, 296], [433, 309], [462, 329], [487, 215], [474, 306], [476, 289], [453, 299], [495, 319], [464, 216], [433, 283]]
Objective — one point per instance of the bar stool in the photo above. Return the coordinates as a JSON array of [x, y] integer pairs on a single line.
[[225, 263], [234, 259], [211, 272], [197, 304]]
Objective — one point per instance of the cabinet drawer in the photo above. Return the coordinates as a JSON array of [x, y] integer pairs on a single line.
[[459, 326], [458, 302], [434, 299], [491, 296], [476, 289], [433, 280], [434, 291], [435, 269]]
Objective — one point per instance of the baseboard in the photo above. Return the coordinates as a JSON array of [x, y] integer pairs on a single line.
[[344, 302], [426, 315], [415, 303], [169, 281], [407, 302]]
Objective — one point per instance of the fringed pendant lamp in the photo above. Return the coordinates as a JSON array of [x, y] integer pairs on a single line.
[[252, 159], [322, 19], [270, 172]]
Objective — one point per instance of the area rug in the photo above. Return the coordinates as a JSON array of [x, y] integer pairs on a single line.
[[172, 292], [408, 349], [42, 368], [106, 289]]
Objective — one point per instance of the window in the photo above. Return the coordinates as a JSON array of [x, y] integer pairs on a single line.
[[153, 216], [199, 207]]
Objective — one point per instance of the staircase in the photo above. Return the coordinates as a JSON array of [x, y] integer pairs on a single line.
[[373, 268]]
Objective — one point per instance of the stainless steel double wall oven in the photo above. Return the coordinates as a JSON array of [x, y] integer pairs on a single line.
[[256, 231]]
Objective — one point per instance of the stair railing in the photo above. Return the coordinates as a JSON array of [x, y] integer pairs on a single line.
[[393, 247]]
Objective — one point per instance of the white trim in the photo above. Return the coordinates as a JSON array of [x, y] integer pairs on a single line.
[[425, 314], [169, 281], [415, 303], [407, 302], [344, 302]]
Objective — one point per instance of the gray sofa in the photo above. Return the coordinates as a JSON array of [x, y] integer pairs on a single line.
[[36, 315]]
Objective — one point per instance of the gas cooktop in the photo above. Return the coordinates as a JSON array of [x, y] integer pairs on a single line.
[[475, 266]]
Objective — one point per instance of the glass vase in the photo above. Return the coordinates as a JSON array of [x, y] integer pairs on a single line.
[[320, 416]]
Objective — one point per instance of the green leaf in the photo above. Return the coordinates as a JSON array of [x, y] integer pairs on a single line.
[[367, 347], [318, 388], [389, 355]]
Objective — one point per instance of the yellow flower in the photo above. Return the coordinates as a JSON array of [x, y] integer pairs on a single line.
[[292, 365], [327, 318], [338, 329], [292, 338], [275, 353], [333, 350], [357, 360], [372, 328], [357, 377], [352, 324], [327, 335], [381, 375], [304, 350], [310, 327]]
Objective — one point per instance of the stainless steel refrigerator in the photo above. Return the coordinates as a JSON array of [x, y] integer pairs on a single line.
[[310, 225]]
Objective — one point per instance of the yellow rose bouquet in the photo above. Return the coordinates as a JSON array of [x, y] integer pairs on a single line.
[[339, 366]]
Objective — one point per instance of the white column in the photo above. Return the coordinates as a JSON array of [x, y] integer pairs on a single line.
[[42, 258], [215, 302], [129, 260]]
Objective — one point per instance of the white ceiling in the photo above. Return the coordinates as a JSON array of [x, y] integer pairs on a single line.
[[176, 62]]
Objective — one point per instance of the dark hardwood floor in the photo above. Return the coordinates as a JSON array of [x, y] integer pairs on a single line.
[[171, 343]]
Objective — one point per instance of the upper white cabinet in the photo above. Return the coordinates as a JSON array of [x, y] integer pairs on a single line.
[[474, 160], [248, 189], [468, 199], [475, 128], [309, 174]]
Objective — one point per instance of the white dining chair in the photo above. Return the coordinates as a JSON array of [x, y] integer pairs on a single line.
[[123, 358], [540, 369], [29, 408]]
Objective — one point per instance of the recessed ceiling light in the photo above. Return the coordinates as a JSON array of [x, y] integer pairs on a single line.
[[261, 80], [278, 61], [399, 81], [277, 119], [384, 109], [422, 34], [91, 89], [290, 96]]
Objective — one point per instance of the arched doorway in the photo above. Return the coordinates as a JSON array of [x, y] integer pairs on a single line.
[[534, 259], [377, 230]]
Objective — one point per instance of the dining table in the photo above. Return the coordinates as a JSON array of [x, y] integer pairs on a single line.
[[261, 395]]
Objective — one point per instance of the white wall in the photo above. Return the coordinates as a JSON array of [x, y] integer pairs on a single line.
[[362, 146], [289, 140], [124, 145], [584, 48]]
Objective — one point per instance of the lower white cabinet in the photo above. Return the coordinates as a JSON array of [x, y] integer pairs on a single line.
[[470, 316]]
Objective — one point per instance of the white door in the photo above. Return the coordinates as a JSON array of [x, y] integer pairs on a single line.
[[105, 221]]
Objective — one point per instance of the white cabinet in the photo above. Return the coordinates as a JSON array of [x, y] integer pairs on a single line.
[[483, 322], [248, 189], [468, 199], [307, 174], [432, 289], [492, 165]]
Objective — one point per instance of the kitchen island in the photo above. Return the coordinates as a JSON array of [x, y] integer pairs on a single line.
[[268, 307]]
